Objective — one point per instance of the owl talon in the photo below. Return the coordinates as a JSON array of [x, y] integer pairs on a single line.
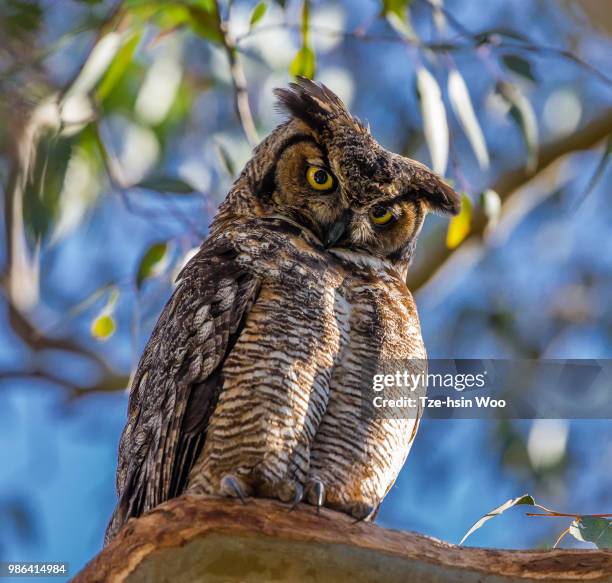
[[232, 487], [297, 497], [316, 494]]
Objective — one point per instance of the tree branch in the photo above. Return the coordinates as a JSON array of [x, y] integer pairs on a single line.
[[200, 539], [509, 182]]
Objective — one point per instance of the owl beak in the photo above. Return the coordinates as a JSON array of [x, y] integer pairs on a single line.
[[337, 230]]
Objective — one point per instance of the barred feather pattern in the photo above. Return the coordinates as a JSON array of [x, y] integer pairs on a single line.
[[276, 379], [358, 455]]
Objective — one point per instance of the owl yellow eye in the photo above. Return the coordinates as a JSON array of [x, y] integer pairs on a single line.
[[380, 215], [318, 178]]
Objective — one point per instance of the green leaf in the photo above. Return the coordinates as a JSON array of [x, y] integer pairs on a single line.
[[152, 262], [42, 196], [397, 7], [459, 97], [258, 13], [103, 327], [166, 184], [520, 66], [525, 499], [206, 23], [459, 226], [593, 529], [435, 126], [304, 63], [118, 66], [524, 116]]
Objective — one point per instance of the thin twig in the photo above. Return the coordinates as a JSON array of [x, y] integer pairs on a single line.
[[241, 94], [563, 53], [358, 34], [564, 515], [561, 537], [519, 44]]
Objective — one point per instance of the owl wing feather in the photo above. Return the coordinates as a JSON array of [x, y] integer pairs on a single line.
[[178, 380]]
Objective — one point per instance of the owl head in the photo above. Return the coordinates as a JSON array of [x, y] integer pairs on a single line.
[[323, 170]]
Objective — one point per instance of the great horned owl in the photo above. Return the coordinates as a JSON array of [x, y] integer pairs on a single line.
[[250, 384]]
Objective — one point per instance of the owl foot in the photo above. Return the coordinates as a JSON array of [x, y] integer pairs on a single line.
[[267, 485], [233, 487], [316, 493], [299, 496], [288, 491], [327, 492], [361, 511]]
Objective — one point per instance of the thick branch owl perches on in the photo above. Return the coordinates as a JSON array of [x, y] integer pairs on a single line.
[[251, 383]]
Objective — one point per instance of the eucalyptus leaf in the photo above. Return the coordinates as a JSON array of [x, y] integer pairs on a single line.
[[460, 225], [304, 63], [525, 499], [205, 23], [519, 66], [397, 7], [258, 13], [435, 125], [151, 262], [42, 195], [459, 97], [103, 327], [593, 529], [118, 66], [522, 113]]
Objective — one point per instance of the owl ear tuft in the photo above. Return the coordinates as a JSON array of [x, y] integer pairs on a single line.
[[313, 103], [437, 194], [440, 197]]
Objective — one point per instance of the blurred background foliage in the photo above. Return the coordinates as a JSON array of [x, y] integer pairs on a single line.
[[122, 126]]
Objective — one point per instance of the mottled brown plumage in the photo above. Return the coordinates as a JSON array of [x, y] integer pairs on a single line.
[[252, 383]]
